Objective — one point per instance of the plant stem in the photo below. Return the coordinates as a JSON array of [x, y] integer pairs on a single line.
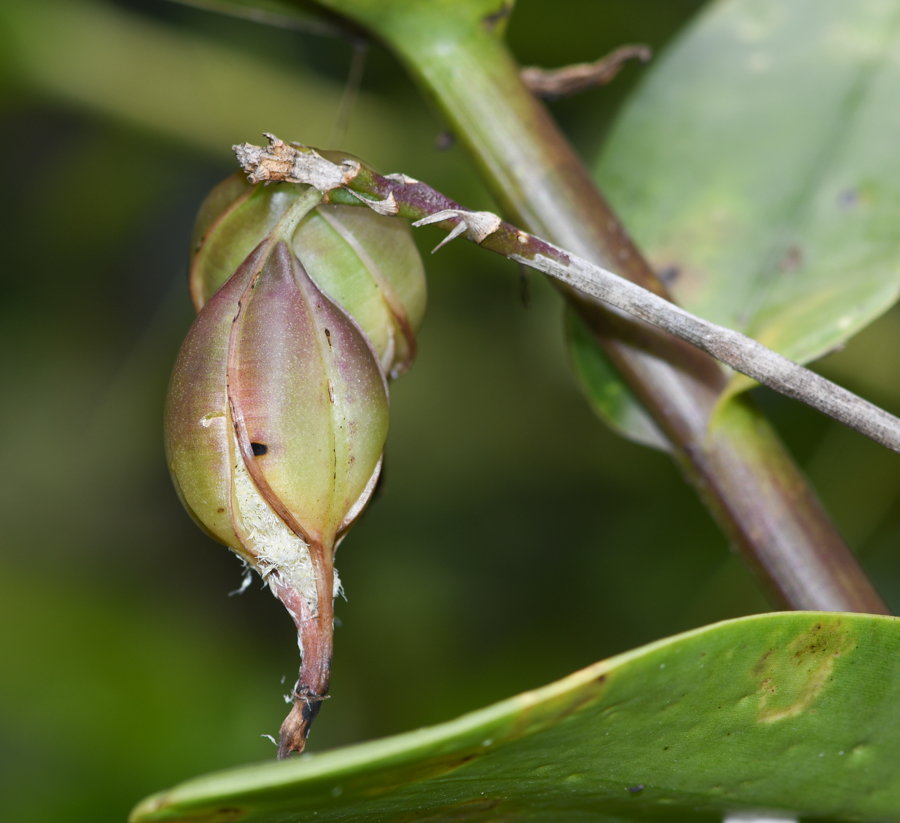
[[280, 162], [316, 635], [740, 352], [733, 459], [354, 184]]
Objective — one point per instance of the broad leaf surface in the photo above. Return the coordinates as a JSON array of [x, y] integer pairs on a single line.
[[797, 712], [757, 167]]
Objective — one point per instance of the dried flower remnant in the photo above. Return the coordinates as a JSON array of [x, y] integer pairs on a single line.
[[275, 425]]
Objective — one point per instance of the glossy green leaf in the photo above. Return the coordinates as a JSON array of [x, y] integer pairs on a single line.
[[796, 712], [757, 168]]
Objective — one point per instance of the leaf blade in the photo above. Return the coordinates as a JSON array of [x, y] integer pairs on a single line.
[[796, 711], [767, 171], [755, 166]]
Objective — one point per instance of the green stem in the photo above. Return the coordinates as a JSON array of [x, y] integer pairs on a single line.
[[734, 461], [303, 205]]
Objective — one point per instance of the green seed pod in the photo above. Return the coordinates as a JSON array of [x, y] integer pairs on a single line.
[[365, 262], [276, 419]]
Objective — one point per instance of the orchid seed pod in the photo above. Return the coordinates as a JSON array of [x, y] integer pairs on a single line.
[[276, 419], [365, 262]]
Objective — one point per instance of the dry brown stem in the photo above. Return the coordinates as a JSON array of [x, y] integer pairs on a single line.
[[555, 84]]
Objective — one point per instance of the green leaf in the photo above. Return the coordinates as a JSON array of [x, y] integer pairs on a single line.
[[610, 398], [201, 93], [797, 712], [758, 168], [285, 14]]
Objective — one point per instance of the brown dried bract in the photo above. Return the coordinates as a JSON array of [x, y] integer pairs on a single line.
[[554, 84]]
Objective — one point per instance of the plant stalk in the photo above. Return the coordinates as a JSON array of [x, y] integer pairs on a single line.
[[398, 194]]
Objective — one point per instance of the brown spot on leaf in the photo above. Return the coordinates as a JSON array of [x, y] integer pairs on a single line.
[[796, 674], [533, 717], [227, 815], [792, 260], [761, 664], [417, 772]]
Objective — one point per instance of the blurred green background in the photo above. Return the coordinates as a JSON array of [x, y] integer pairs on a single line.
[[516, 539]]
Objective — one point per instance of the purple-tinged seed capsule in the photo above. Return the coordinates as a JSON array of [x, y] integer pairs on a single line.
[[276, 419]]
